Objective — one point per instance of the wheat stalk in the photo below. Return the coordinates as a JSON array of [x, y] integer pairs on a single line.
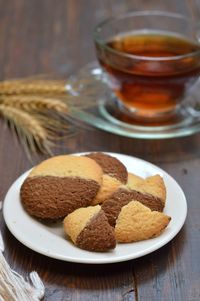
[[29, 129], [34, 103], [47, 87], [51, 113], [39, 111], [79, 93]]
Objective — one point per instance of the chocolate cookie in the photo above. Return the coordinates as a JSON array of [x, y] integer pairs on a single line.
[[60, 185], [111, 166], [115, 175], [89, 229], [137, 222]]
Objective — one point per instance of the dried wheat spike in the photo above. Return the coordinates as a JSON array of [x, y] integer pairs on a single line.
[[34, 103], [47, 87], [29, 129]]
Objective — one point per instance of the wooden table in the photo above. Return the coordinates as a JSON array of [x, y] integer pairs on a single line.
[[56, 36]]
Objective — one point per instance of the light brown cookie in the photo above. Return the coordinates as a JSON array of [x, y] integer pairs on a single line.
[[137, 222], [89, 229], [108, 187], [153, 185], [60, 185], [133, 181], [115, 175]]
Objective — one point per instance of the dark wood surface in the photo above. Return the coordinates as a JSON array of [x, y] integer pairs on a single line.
[[56, 37]]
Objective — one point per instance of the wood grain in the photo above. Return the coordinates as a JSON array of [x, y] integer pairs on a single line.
[[56, 37]]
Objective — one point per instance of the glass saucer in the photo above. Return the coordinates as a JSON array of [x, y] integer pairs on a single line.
[[101, 109]]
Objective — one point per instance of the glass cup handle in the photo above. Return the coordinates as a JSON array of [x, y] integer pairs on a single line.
[[88, 85], [192, 101]]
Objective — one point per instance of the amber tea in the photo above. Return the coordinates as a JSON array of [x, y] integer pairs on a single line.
[[150, 72]]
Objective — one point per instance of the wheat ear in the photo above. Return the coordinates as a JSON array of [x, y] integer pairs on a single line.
[[47, 87], [29, 129], [34, 103]]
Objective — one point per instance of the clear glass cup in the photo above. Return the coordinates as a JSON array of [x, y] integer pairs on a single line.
[[150, 59]]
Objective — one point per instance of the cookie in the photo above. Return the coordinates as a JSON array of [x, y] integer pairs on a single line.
[[137, 222], [59, 185], [112, 205], [111, 166], [153, 185], [133, 180], [89, 229], [115, 175], [108, 187]]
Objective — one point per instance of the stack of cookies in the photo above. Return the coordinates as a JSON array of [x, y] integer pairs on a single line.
[[101, 204]]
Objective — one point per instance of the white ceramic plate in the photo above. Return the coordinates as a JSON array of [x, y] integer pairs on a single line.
[[50, 240]]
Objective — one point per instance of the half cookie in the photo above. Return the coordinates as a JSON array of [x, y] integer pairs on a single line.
[[89, 229], [134, 181], [153, 185], [137, 222], [60, 185], [114, 175]]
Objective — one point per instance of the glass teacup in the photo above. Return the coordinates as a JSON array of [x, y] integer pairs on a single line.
[[150, 59]]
